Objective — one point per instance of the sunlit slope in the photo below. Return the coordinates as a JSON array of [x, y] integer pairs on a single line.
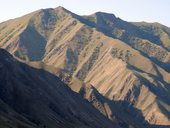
[[124, 62]]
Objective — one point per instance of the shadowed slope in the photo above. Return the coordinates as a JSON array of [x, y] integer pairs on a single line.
[[133, 68], [34, 98]]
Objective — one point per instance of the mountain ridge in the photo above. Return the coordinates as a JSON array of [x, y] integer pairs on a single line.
[[123, 61], [29, 103]]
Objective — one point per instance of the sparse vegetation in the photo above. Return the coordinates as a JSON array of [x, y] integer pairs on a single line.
[[81, 51], [124, 55]]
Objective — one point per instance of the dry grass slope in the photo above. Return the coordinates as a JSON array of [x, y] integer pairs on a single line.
[[126, 63]]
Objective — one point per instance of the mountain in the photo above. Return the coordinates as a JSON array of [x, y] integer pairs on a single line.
[[34, 98], [121, 68]]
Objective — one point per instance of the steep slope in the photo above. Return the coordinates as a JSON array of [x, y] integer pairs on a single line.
[[33, 98], [156, 29], [125, 64], [152, 42]]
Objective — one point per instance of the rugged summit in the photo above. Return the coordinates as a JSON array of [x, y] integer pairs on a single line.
[[110, 62]]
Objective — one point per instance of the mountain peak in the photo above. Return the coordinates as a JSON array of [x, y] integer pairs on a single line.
[[104, 13], [57, 9], [97, 50], [60, 8], [102, 16]]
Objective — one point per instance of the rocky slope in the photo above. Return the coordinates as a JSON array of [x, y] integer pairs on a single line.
[[33, 98], [127, 64]]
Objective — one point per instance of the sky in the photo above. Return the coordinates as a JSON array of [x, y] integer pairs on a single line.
[[129, 10]]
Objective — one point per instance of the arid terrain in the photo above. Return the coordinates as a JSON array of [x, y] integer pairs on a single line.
[[95, 71]]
